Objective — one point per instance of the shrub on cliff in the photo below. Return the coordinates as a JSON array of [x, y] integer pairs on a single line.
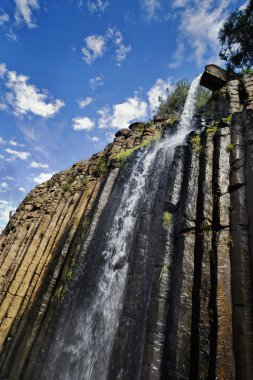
[[236, 38], [173, 105]]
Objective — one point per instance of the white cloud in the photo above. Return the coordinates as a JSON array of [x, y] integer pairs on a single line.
[[22, 189], [3, 18], [1, 157], [178, 56], [2, 141], [15, 154], [8, 178], [4, 185], [159, 90], [150, 7], [199, 25], [84, 102], [95, 48], [42, 177], [123, 114], [95, 82], [3, 69], [244, 6], [105, 118], [97, 6], [14, 143], [26, 98], [94, 139], [121, 50], [5, 208], [179, 3], [82, 124], [37, 165], [24, 10]]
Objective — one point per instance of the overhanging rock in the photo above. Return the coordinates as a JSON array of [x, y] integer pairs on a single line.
[[214, 77]]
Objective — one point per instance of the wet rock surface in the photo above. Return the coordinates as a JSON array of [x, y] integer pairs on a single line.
[[187, 309]]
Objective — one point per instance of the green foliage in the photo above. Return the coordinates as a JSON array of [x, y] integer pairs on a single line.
[[228, 119], [167, 216], [173, 106], [195, 142], [49, 184], [174, 103], [230, 147], [247, 71], [68, 182], [101, 167], [149, 141], [164, 270], [203, 95], [212, 129], [124, 155], [85, 180], [236, 38], [149, 124]]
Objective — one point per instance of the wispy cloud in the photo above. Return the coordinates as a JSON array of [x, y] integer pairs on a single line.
[[25, 98], [199, 25], [95, 82], [42, 177], [97, 45], [37, 165], [178, 56], [24, 9], [22, 189], [160, 89], [121, 50], [84, 102], [5, 208], [4, 17], [97, 6], [82, 124], [150, 8], [94, 48], [16, 154]]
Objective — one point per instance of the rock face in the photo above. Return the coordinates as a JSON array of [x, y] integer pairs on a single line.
[[187, 309]]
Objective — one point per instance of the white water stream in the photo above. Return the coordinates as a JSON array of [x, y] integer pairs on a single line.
[[89, 350]]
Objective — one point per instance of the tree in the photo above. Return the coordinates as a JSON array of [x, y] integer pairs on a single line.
[[173, 105], [236, 38]]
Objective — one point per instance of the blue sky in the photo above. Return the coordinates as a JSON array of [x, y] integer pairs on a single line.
[[72, 72]]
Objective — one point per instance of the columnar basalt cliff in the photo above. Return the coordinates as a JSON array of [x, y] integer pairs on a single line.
[[186, 307]]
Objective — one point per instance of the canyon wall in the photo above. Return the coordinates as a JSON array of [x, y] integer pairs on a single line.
[[187, 310]]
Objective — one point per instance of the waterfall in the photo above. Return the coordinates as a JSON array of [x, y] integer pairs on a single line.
[[189, 107], [83, 343]]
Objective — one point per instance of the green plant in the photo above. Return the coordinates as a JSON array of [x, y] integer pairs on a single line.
[[247, 71], [230, 147], [203, 95], [228, 119], [124, 155], [164, 270], [174, 103], [85, 180], [149, 141], [167, 217], [236, 38], [195, 142], [212, 129], [149, 124], [101, 167]]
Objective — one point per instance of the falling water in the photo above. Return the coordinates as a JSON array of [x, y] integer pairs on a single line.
[[83, 346]]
